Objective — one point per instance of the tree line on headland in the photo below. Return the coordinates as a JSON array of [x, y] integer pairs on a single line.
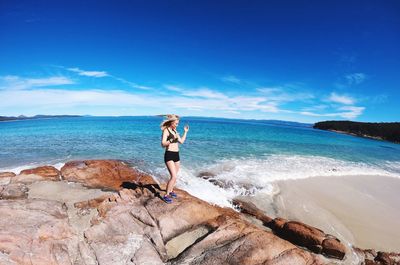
[[389, 131]]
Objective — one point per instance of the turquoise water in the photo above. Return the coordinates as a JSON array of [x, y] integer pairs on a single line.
[[246, 155], [209, 140]]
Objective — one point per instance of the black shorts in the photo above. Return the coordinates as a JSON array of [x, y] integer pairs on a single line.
[[170, 155]]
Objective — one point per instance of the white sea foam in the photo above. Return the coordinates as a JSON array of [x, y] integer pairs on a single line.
[[257, 175], [283, 167], [18, 169]]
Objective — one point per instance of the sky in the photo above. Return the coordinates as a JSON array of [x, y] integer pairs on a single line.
[[302, 61]]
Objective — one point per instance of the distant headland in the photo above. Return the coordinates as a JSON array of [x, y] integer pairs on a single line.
[[22, 117], [389, 131]]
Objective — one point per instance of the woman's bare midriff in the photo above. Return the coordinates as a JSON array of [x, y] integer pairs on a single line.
[[173, 147]]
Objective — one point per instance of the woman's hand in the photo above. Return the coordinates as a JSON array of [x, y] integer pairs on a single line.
[[186, 128]]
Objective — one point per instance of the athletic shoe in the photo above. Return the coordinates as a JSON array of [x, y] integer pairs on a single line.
[[173, 194], [167, 199]]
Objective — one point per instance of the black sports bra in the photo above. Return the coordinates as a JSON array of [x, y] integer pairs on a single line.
[[171, 135]]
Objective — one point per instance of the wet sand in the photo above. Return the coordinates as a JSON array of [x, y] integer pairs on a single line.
[[363, 211]]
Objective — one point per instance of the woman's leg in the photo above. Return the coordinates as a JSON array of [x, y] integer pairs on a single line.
[[177, 166], [172, 172]]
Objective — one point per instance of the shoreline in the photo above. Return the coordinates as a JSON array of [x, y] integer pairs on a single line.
[[361, 210], [83, 198], [360, 135], [297, 197]]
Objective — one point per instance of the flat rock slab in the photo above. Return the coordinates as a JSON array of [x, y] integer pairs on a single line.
[[35, 232]]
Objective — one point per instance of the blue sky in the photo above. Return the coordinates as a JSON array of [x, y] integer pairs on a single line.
[[291, 60]]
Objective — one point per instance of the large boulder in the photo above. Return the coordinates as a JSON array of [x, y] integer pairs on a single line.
[[105, 174], [310, 237], [28, 176]]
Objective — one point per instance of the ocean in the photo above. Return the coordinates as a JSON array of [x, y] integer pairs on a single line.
[[244, 156]]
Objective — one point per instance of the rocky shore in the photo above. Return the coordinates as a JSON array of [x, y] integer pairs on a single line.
[[106, 212]]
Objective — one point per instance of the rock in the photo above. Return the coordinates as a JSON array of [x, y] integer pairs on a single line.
[[14, 191], [35, 232], [277, 224], [251, 209], [5, 177], [105, 174], [179, 243], [119, 240], [242, 188], [386, 258], [302, 234], [218, 183], [48, 172], [134, 226], [37, 174], [310, 237], [93, 203], [190, 211], [332, 247], [237, 242], [372, 257], [7, 174], [188, 231], [365, 253], [205, 175], [298, 233]]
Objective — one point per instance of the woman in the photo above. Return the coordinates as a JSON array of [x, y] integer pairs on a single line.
[[170, 141]]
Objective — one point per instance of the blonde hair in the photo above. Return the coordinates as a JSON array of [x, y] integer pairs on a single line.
[[167, 122]]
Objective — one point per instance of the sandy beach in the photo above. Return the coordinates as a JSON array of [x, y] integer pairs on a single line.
[[360, 210]]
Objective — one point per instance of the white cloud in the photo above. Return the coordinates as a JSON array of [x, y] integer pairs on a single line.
[[204, 93], [16, 82], [270, 90], [204, 100], [174, 88], [351, 112], [316, 108], [88, 73], [34, 94], [347, 112], [342, 99], [231, 104], [105, 74], [231, 79], [355, 78], [283, 95], [62, 97], [131, 84]]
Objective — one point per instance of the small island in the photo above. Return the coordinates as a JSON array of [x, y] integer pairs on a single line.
[[389, 131], [22, 117]]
